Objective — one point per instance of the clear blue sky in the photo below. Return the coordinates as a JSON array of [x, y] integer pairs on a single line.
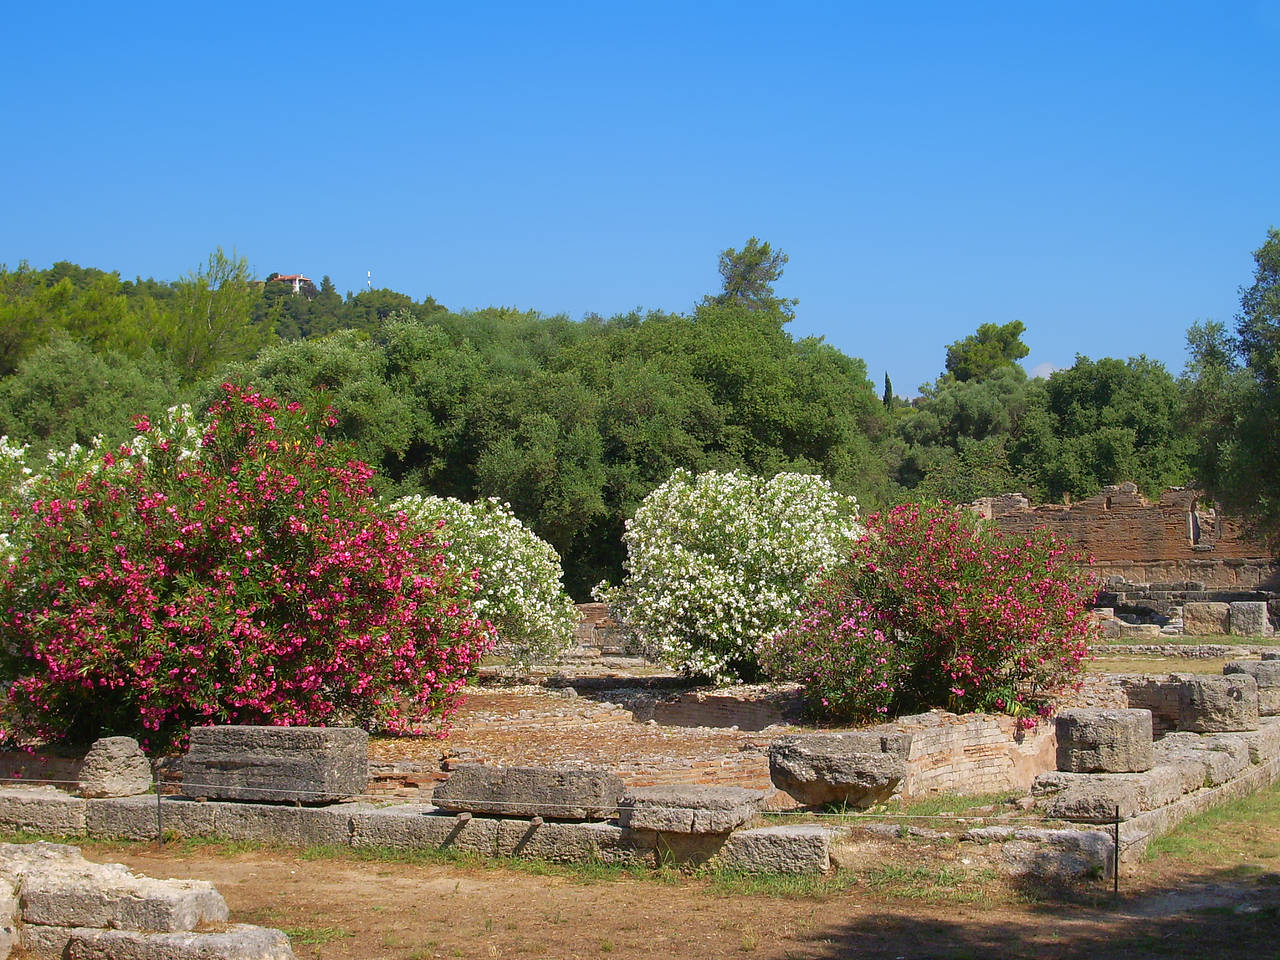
[[1100, 172]]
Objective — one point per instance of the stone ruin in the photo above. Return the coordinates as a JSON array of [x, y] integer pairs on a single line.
[[1175, 566]]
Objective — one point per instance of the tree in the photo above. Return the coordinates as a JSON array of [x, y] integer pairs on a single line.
[[887, 399], [214, 317], [981, 354], [748, 277], [1254, 466], [1214, 388]]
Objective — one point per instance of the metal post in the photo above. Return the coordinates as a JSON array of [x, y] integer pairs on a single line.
[[159, 820], [1115, 856]]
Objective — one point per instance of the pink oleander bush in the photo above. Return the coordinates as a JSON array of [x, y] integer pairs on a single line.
[[233, 571], [935, 609]]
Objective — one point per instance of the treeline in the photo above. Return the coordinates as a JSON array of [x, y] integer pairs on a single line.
[[574, 423]]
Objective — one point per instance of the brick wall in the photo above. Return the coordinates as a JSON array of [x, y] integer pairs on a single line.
[[1180, 537], [974, 753]]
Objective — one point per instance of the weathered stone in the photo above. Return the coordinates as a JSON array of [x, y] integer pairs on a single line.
[[108, 895], [859, 768], [1057, 854], [122, 818], [1249, 619], [574, 842], [1139, 631], [115, 767], [787, 849], [417, 827], [1217, 704], [689, 808], [1201, 619], [1271, 654], [44, 810], [238, 942], [1110, 629], [549, 792], [1263, 743], [276, 764], [1267, 675], [1217, 757], [1095, 796], [1093, 740], [292, 826]]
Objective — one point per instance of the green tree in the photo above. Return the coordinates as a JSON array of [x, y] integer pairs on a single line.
[[748, 275], [981, 354], [1101, 422], [213, 318]]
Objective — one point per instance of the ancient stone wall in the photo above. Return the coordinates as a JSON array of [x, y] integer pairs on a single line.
[[1181, 537], [974, 753]]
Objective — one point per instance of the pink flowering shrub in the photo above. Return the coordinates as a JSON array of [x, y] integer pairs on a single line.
[[238, 571], [933, 609]]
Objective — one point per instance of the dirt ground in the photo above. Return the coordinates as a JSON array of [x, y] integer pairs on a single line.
[[345, 908]]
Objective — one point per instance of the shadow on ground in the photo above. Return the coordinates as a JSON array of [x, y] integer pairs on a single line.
[[1218, 917]]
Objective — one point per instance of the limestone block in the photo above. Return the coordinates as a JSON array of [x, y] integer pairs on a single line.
[[1249, 619], [237, 942], [1271, 655], [1110, 629], [1204, 619], [573, 842], [1219, 757], [417, 826], [41, 810], [548, 792], [1057, 854], [1095, 796], [108, 895], [122, 818], [276, 764], [787, 849], [115, 767], [859, 768], [690, 808], [1267, 675], [185, 817], [1263, 743], [1223, 704], [1139, 631], [291, 826], [1093, 740]]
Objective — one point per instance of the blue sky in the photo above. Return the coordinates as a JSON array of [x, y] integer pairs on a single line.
[[1100, 172]]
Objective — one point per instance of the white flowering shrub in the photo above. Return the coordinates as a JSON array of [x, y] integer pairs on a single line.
[[519, 577], [718, 562], [15, 486]]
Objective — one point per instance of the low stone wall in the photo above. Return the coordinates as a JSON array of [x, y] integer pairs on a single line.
[[743, 708], [973, 753]]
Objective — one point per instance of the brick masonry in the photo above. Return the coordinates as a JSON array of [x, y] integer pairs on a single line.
[[1182, 536]]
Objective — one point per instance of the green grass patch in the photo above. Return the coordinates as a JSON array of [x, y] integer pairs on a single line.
[[1243, 833], [932, 884], [312, 935]]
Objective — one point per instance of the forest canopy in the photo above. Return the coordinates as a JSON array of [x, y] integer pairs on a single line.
[[574, 422]]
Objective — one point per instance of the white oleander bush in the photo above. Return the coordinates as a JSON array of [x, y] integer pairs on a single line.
[[519, 579], [718, 562]]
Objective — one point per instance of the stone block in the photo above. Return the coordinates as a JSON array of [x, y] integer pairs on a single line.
[[237, 942], [1092, 740], [1110, 629], [1223, 704], [547, 792], [574, 842], [786, 849], [276, 764], [108, 895], [1267, 675], [1271, 655], [1201, 619], [1095, 796], [122, 818], [1218, 757], [184, 817], [1263, 743], [289, 826], [690, 808], [1139, 631], [859, 768], [1249, 619], [115, 767], [42, 810], [417, 827]]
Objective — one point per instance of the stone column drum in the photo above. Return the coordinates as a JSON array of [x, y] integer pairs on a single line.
[[1104, 741]]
